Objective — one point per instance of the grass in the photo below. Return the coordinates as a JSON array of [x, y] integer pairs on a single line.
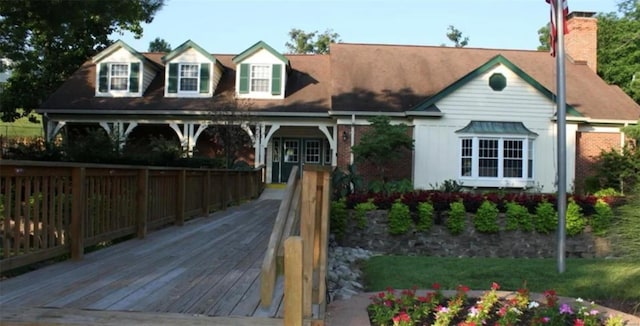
[[625, 228], [23, 127], [590, 279]]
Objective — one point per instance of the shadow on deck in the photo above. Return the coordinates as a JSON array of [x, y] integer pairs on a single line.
[[205, 272]]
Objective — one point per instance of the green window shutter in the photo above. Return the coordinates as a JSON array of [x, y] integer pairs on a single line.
[[204, 78], [103, 80], [134, 77], [172, 86], [244, 78], [276, 80]]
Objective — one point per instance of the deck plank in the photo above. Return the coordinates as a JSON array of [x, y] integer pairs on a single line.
[[209, 266]]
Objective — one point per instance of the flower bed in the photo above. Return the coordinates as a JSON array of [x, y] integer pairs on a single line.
[[407, 309]]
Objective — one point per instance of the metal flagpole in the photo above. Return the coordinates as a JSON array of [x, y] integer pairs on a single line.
[[562, 134]]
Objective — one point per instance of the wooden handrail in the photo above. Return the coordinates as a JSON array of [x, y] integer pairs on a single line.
[[269, 264], [48, 209]]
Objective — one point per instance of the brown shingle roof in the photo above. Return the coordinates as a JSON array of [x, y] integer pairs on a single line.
[[362, 77], [397, 77]]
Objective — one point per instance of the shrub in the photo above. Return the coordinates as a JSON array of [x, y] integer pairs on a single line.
[[361, 213], [518, 217], [338, 218], [607, 192], [457, 215], [449, 185], [425, 216], [575, 219], [601, 220], [486, 219], [546, 217], [399, 218]]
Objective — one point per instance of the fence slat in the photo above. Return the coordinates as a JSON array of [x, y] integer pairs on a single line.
[[77, 218]]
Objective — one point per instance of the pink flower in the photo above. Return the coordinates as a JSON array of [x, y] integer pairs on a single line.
[[566, 309], [435, 286], [578, 322], [495, 286]]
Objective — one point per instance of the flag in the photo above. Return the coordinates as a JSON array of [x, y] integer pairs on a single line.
[[554, 31]]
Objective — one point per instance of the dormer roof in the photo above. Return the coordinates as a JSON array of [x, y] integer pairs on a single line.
[[114, 47], [189, 44], [257, 47]]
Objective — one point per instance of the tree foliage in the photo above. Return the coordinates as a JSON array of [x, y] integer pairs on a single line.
[[48, 40], [619, 50], [633, 131], [311, 42], [159, 45], [544, 34], [383, 144], [455, 36]]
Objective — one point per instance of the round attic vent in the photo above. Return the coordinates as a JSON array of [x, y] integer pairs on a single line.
[[497, 82]]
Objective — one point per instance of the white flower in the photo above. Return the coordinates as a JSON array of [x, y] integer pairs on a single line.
[[516, 310], [579, 300], [533, 304]]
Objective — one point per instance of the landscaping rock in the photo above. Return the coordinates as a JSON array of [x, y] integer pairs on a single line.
[[343, 274]]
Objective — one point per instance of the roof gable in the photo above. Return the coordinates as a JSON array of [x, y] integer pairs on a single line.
[[189, 44], [255, 48], [498, 59], [115, 46]]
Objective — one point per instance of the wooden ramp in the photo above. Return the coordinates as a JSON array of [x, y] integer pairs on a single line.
[[208, 267]]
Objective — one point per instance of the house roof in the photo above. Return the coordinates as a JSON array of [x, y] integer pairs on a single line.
[[113, 47], [365, 77]]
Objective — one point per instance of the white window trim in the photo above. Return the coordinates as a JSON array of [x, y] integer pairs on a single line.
[[262, 95], [500, 181], [269, 67], [182, 64]]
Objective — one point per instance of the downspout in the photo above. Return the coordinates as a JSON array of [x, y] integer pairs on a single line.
[[353, 137]]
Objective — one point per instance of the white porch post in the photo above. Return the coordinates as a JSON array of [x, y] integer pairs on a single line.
[[186, 135], [331, 137]]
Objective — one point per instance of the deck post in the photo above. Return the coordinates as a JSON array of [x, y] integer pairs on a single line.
[[77, 212], [142, 201], [206, 193], [293, 281], [308, 232], [180, 202], [323, 235]]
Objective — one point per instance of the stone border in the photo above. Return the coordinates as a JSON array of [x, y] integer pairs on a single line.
[[353, 312]]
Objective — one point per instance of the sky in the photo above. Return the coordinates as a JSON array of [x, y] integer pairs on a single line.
[[230, 27]]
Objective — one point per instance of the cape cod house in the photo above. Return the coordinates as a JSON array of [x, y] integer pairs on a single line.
[[484, 117]]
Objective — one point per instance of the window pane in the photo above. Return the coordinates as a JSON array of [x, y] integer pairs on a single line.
[[312, 153], [512, 154], [488, 162], [189, 77], [276, 150], [530, 158], [466, 156], [291, 151], [119, 77], [260, 75]]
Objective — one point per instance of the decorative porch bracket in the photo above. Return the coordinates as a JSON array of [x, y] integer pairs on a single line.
[[53, 128], [120, 130], [331, 137], [188, 136]]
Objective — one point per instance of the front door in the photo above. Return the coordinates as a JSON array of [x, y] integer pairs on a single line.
[[290, 152]]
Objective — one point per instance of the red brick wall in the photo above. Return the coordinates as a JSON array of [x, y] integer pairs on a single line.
[[401, 169], [589, 145], [582, 42]]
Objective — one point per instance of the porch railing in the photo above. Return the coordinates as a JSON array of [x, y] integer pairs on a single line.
[[51, 209]]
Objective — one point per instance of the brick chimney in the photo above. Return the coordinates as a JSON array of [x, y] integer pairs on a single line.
[[581, 44]]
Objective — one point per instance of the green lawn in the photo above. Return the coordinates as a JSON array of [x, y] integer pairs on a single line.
[[22, 127], [590, 279]]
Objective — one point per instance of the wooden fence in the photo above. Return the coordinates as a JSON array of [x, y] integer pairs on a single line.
[[51, 209], [306, 203]]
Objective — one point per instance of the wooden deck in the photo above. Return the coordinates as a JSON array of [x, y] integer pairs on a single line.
[[207, 267]]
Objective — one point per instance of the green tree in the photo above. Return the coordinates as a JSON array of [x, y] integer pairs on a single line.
[[48, 40], [311, 42], [633, 131], [383, 144], [544, 34], [455, 36], [619, 51], [159, 45]]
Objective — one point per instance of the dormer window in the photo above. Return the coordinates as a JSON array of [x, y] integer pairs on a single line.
[[260, 79], [119, 78], [189, 77]]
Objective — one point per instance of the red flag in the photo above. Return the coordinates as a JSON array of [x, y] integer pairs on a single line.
[[554, 32]]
